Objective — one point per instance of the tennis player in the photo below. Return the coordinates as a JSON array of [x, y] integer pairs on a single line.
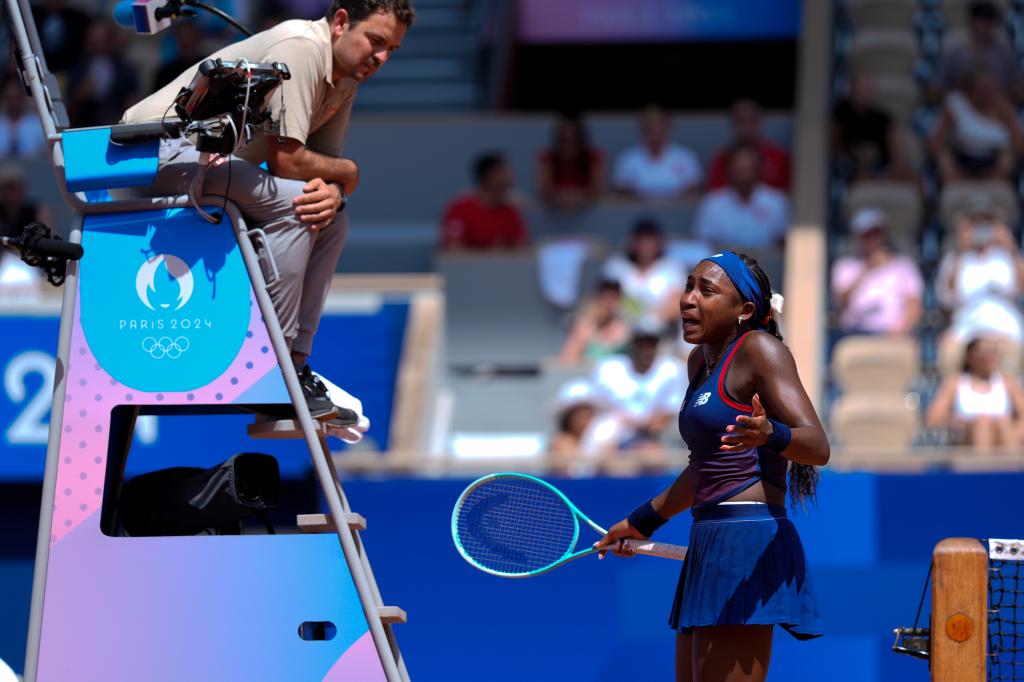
[[746, 419]]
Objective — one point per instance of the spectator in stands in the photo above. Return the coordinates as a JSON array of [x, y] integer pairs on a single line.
[[61, 32], [21, 134], [487, 217], [878, 291], [571, 173], [977, 135], [642, 390], [188, 41], [575, 413], [102, 82], [658, 168], [746, 126], [982, 278], [745, 214], [981, 406], [599, 330], [865, 141], [651, 281], [16, 209], [16, 212], [986, 45]]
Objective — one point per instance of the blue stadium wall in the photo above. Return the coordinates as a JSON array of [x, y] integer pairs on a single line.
[[868, 541]]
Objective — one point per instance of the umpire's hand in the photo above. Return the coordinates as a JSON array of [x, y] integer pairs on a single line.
[[319, 204]]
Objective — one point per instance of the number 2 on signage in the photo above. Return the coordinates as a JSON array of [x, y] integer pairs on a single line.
[[30, 427]]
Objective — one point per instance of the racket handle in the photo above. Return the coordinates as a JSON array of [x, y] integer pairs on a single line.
[[662, 549]]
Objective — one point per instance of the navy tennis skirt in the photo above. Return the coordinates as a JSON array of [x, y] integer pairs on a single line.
[[745, 566]]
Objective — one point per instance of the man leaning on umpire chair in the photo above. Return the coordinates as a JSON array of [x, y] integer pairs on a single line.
[[298, 202]]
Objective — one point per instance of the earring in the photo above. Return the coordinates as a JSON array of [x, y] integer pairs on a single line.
[[739, 321]]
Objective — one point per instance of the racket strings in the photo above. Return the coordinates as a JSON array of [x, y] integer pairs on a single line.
[[515, 526]]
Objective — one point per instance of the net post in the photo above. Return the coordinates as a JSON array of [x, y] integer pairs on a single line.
[[959, 611]]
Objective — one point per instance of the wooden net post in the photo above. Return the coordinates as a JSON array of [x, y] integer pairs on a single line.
[[959, 626]]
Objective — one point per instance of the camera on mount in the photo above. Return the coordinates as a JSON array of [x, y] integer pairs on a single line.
[[240, 90]]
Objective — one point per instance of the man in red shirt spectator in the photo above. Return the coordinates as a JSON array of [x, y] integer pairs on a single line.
[[746, 125], [485, 218]]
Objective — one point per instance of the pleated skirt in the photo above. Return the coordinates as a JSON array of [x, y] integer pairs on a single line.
[[745, 566]]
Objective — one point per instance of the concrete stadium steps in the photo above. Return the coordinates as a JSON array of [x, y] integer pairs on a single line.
[[435, 70], [420, 94]]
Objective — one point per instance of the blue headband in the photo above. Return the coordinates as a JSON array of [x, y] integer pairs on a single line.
[[743, 279]]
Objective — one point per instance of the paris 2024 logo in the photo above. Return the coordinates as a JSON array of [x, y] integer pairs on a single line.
[[171, 317]]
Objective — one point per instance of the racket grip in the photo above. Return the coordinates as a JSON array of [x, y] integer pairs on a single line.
[[662, 549]]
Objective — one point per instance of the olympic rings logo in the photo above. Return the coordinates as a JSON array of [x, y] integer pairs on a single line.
[[165, 347]]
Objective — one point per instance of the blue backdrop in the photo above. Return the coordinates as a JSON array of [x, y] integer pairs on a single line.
[[359, 352], [869, 543]]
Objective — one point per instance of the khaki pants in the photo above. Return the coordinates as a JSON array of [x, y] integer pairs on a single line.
[[305, 260]]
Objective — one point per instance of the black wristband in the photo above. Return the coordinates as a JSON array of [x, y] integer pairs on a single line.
[[645, 520], [781, 435]]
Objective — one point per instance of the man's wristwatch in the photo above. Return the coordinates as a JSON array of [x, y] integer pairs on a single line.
[[341, 194]]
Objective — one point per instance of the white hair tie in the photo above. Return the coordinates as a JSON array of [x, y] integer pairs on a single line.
[[777, 302]]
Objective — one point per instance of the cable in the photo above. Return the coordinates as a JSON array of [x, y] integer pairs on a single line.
[[219, 13]]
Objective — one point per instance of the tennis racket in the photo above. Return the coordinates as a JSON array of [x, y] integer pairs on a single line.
[[517, 526]]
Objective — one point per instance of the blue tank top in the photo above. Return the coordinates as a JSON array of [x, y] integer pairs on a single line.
[[707, 410]]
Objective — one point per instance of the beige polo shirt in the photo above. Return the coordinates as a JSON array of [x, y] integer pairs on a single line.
[[309, 107]]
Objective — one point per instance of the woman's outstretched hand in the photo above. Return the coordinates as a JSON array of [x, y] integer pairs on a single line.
[[612, 540], [748, 432]]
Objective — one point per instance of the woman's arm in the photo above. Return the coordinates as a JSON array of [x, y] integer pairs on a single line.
[[676, 498], [940, 150], [1013, 387], [767, 371], [911, 314], [576, 343], [940, 412]]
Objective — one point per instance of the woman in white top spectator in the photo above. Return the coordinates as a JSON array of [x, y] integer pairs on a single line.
[[982, 407], [878, 291], [977, 136], [981, 279], [651, 282], [659, 168]]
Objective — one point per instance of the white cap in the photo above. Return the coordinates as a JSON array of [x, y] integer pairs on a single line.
[[866, 219], [573, 393]]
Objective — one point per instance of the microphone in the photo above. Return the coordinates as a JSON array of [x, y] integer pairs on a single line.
[[38, 248], [146, 17]]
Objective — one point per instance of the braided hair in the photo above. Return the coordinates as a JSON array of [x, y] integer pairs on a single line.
[[803, 478]]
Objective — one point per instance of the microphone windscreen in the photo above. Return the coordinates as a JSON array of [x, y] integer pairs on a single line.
[[123, 14]]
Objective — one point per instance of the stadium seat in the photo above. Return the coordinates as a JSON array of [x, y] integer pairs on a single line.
[[901, 202], [875, 363], [913, 149], [884, 51], [869, 419], [495, 313], [956, 36], [955, 194], [897, 94], [882, 13], [955, 11]]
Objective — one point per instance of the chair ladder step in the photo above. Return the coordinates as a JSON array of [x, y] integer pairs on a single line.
[[323, 523], [280, 429], [392, 614]]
